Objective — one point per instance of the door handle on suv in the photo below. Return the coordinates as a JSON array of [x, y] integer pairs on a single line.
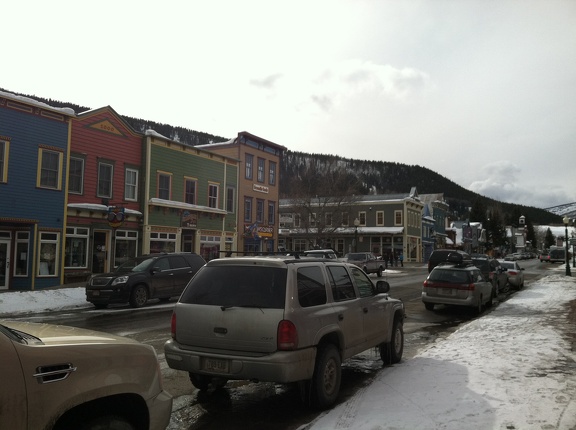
[[340, 317]]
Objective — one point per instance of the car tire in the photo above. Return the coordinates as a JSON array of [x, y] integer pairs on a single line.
[[380, 272], [200, 381], [479, 307], [100, 305], [139, 296], [112, 422], [429, 306], [391, 352], [327, 376], [365, 269]]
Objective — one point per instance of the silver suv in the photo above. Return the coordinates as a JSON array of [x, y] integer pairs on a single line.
[[282, 319]]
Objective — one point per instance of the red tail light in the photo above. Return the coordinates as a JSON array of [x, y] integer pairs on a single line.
[[470, 287], [513, 273], [173, 326], [287, 336]]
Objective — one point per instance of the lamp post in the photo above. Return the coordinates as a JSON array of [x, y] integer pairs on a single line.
[[356, 224], [573, 253], [566, 221]]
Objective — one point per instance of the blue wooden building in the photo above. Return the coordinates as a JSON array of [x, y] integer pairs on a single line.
[[34, 153]]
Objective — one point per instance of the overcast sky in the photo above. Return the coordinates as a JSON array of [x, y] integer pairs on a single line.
[[481, 92]]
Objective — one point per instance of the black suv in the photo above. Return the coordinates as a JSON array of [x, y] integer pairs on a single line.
[[453, 256], [142, 278], [493, 271]]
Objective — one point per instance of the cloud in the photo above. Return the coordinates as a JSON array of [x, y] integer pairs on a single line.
[[503, 180], [268, 82]]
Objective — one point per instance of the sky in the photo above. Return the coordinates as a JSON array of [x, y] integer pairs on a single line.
[[481, 92], [512, 368]]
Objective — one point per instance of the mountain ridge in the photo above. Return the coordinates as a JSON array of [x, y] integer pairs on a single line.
[[370, 177]]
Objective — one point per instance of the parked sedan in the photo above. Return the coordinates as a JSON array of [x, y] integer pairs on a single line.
[[515, 273], [57, 378]]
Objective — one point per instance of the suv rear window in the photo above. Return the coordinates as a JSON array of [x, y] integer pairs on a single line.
[[450, 276], [244, 286]]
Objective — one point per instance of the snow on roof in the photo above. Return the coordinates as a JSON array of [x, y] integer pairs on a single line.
[[99, 208], [27, 100]]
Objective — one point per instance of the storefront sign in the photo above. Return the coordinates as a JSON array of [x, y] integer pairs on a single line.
[[260, 188]]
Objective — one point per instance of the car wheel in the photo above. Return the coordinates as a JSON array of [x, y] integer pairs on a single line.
[[108, 423], [365, 269], [380, 272], [479, 306], [139, 296], [100, 305], [429, 306], [200, 381], [327, 376], [391, 352], [490, 301]]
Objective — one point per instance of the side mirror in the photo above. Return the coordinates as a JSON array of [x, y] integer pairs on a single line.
[[382, 287]]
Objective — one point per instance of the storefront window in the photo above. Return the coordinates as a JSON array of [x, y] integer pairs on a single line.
[[22, 253], [162, 242], [125, 247], [76, 255], [210, 247], [48, 254]]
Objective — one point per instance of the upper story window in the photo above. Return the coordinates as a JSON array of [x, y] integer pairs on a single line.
[[131, 184], [380, 218], [76, 176], [272, 173], [398, 218], [230, 199], [362, 218], [261, 165], [259, 210], [296, 220], [213, 195], [249, 166], [50, 168], [248, 209], [105, 175], [328, 219], [190, 186], [345, 218], [271, 213], [4, 146], [164, 185]]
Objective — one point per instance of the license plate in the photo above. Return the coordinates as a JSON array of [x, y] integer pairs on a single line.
[[215, 365], [445, 291], [95, 292]]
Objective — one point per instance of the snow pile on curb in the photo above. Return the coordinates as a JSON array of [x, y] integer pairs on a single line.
[[28, 302], [513, 368]]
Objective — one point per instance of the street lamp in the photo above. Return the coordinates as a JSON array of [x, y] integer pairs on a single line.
[[356, 224], [566, 221]]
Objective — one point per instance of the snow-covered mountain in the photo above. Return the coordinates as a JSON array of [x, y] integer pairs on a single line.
[[568, 209]]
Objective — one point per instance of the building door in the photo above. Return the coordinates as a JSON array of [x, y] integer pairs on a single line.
[[4, 263], [101, 251]]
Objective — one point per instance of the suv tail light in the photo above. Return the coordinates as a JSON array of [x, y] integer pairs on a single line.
[[173, 326], [287, 336]]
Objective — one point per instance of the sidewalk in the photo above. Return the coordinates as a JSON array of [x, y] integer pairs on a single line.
[[512, 368]]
